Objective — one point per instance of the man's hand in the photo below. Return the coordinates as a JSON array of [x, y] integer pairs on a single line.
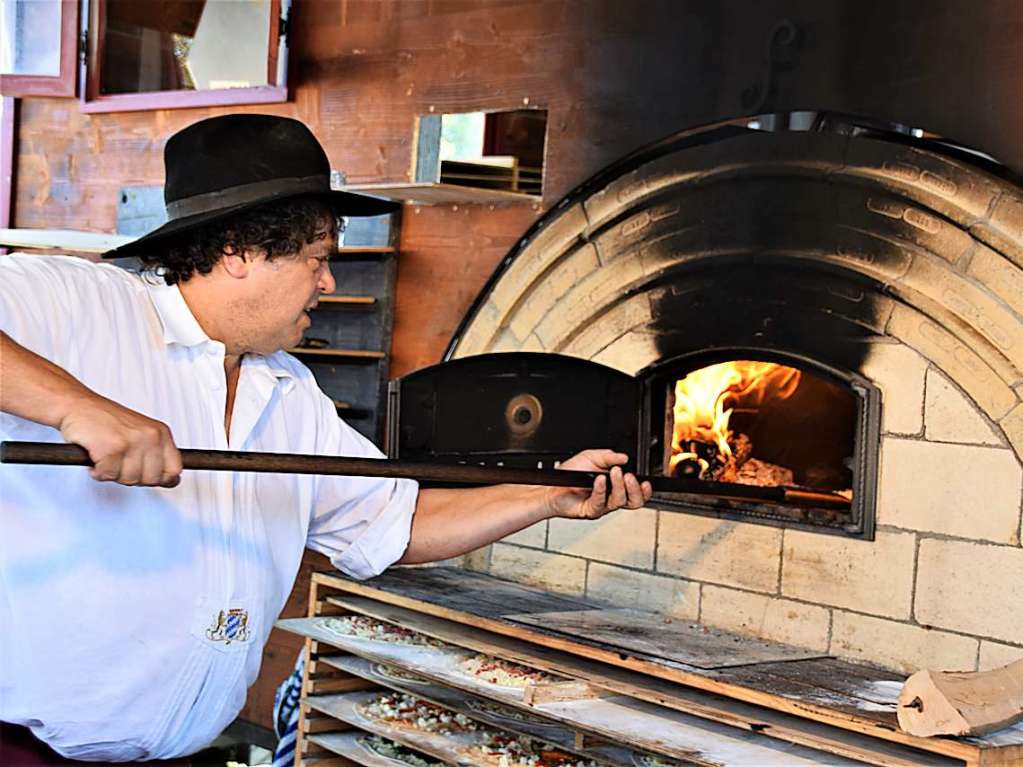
[[125, 446], [626, 491]]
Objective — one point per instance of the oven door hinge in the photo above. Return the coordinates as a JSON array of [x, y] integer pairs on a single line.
[[83, 46]]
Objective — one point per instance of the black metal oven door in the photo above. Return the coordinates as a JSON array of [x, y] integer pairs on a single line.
[[522, 409]]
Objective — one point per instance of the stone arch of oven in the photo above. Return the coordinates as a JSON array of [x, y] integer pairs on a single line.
[[815, 244]]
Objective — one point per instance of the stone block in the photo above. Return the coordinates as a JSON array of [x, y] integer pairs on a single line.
[[631, 352], [972, 588], [547, 247], [1004, 227], [874, 577], [1012, 425], [719, 551], [477, 560], [534, 536], [624, 537], [507, 341], [900, 646], [643, 591], [592, 294], [954, 358], [995, 655], [958, 300], [632, 313], [999, 275], [781, 620], [899, 372], [967, 491], [554, 572], [950, 417], [542, 297], [477, 337]]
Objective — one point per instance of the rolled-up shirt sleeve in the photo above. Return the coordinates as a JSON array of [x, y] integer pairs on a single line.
[[363, 524]]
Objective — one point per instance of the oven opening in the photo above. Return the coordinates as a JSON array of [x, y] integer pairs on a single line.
[[768, 423]]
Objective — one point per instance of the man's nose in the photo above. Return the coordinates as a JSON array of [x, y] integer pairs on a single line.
[[327, 283]]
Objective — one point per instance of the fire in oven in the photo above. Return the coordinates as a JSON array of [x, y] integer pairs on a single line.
[[766, 420], [739, 434]]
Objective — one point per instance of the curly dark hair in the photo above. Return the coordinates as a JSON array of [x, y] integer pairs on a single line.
[[276, 229]]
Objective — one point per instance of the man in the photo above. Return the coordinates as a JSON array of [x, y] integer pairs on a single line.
[[112, 593]]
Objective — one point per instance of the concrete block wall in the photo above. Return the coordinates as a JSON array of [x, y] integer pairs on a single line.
[[941, 586]]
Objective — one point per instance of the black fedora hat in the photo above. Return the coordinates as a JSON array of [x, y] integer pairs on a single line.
[[226, 165]]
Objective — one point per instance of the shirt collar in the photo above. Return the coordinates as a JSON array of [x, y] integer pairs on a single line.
[[179, 324], [271, 366], [181, 327]]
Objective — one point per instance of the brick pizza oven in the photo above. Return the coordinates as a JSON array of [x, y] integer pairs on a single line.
[[887, 271]]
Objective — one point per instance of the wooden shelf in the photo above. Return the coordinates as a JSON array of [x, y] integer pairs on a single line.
[[346, 301], [348, 410], [426, 193], [62, 239], [833, 706], [349, 746], [355, 354], [357, 252], [607, 726], [481, 708]]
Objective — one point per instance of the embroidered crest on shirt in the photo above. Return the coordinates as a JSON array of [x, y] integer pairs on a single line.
[[230, 626]]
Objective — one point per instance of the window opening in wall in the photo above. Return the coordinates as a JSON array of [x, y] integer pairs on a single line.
[[171, 53], [486, 150], [37, 47], [30, 44], [180, 45]]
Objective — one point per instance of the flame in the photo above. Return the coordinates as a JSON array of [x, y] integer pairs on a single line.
[[706, 398]]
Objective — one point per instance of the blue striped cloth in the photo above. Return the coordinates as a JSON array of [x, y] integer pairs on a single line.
[[286, 708]]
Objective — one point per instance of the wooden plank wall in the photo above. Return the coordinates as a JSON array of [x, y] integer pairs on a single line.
[[361, 72]]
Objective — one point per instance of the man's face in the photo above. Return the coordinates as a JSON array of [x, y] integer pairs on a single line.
[[281, 292]]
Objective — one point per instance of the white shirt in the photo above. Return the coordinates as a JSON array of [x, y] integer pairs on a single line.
[[132, 620]]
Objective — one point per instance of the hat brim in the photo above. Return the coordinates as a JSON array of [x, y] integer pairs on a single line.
[[342, 203]]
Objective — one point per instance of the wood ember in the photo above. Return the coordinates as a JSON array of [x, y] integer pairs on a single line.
[[763, 474], [728, 471], [740, 467]]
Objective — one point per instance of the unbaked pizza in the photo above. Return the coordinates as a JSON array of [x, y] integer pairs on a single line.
[[364, 627], [410, 713], [503, 672], [391, 750], [510, 750]]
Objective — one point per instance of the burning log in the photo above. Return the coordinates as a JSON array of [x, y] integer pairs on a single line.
[[961, 703], [703, 446]]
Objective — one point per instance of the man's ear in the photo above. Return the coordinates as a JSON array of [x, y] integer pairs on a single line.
[[235, 262]]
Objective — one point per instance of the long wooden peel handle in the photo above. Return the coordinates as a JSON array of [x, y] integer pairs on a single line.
[[55, 454]]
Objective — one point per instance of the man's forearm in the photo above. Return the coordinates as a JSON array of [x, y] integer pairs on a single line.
[[34, 388], [448, 523]]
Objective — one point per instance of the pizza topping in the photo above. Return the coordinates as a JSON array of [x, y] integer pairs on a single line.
[[404, 710], [368, 628], [508, 750], [503, 672], [391, 750]]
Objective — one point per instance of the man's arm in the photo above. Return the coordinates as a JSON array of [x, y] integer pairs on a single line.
[[125, 446], [448, 523]]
